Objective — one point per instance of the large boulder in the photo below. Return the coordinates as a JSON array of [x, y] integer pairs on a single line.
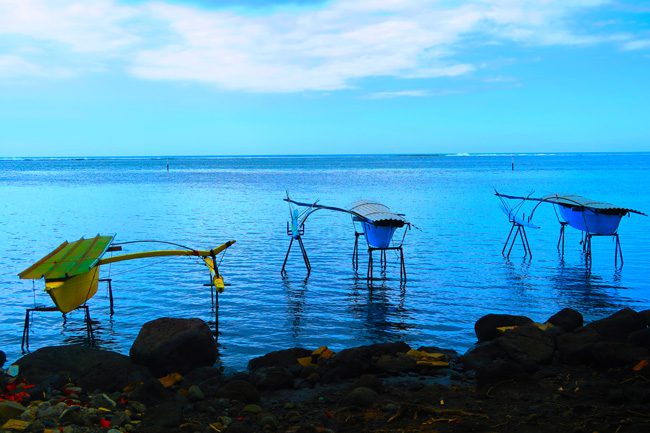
[[88, 367], [486, 326], [615, 354], [568, 319], [619, 325], [528, 345], [168, 345], [354, 362], [279, 359], [575, 347]]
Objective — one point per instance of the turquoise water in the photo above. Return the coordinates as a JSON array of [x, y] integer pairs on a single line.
[[453, 256]]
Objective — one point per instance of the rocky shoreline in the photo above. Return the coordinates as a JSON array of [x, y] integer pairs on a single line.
[[521, 376]]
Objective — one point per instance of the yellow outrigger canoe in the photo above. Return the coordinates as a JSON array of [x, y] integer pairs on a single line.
[[71, 271]]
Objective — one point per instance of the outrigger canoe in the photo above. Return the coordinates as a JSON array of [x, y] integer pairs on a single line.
[[71, 271]]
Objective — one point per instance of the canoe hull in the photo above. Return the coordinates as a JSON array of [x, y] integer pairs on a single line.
[[587, 220], [75, 291], [378, 236]]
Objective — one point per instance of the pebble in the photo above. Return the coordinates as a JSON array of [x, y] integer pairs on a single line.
[[252, 408], [194, 393]]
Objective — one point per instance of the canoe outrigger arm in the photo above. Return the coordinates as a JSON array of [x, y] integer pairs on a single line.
[[378, 225], [592, 218], [71, 273]]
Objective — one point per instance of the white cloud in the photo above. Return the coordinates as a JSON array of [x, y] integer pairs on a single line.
[[327, 47], [639, 44], [419, 93]]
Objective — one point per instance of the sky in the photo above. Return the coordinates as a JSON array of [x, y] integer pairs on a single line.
[[228, 77]]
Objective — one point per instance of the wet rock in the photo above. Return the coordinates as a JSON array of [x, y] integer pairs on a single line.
[[149, 392], [268, 421], [10, 409], [356, 361], [87, 367], [272, 378], [164, 415], [169, 345], [528, 345], [615, 354], [3, 358], [640, 338], [619, 325], [498, 371], [194, 393], [119, 419], [102, 400], [575, 347], [279, 359], [239, 390], [399, 363], [486, 327], [369, 381], [360, 397], [253, 408], [568, 319], [482, 354]]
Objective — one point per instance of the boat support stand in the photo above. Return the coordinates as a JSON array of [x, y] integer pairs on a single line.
[[296, 237], [521, 232], [618, 251], [24, 345], [382, 262]]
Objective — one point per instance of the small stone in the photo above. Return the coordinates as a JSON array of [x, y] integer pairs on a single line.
[[194, 393], [361, 397], [268, 421], [252, 408], [120, 418], [113, 430], [102, 400]]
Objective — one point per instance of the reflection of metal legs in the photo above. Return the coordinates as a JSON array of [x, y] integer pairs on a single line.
[[521, 232], [286, 257], [355, 252], [619, 251]]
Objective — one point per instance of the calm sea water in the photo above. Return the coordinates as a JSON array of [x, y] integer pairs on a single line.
[[456, 272]]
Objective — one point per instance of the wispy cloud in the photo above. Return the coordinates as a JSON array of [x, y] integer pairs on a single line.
[[328, 46], [639, 44]]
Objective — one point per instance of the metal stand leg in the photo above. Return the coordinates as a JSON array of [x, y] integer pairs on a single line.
[[89, 326], [286, 257], [560, 240], [304, 255], [618, 252], [505, 245], [521, 232], [110, 293], [402, 269], [355, 252], [369, 275]]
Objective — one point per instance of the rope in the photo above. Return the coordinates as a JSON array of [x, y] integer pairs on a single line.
[[145, 266]]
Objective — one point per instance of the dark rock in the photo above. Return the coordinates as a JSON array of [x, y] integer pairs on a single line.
[[354, 362], [619, 325], [568, 319], [239, 390], [486, 326], [150, 392], [369, 381], [360, 397], [483, 354], [640, 338], [271, 378], [168, 345], [575, 347], [615, 354], [279, 359], [646, 316], [3, 358], [87, 367], [499, 370], [396, 363], [528, 345], [203, 374], [164, 415]]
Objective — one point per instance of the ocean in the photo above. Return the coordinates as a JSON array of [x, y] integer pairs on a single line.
[[456, 272]]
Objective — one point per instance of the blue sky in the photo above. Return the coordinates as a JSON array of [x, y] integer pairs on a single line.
[[109, 77]]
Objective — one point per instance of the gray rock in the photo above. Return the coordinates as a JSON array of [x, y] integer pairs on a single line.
[[88, 367], [360, 397], [194, 393], [164, 416], [619, 325], [396, 363], [168, 345], [575, 347], [279, 359], [369, 381], [239, 390], [486, 326], [528, 345]]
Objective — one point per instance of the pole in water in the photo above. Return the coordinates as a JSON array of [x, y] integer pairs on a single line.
[[168, 166], [512, 164]]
